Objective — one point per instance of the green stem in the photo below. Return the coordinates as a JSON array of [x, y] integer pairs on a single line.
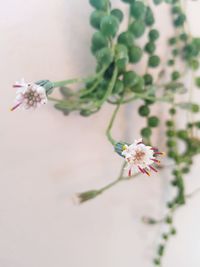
[[110, 88], [140, 96], [71, 81], [88, 195], [108, 131], [172, 210], [84, 92], [119, 179], [78, 80], [53, 99], [129, 17]]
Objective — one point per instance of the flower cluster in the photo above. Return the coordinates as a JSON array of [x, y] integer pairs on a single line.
[[29, 95], [140, 157]]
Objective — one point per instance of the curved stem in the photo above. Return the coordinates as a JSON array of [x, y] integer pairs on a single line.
[[120, 178], [108, 131], [140, 96], [84, 92], [71, 81], [78, 80], [88, 195], [110, 88]]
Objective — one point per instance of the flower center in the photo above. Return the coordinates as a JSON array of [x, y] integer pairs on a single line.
[[32, 97], [139, 156]]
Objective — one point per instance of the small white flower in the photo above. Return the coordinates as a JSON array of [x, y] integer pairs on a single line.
[[29, 95], [140, 157]]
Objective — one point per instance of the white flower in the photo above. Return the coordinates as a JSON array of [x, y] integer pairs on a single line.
[[29, 95], [140, 157]]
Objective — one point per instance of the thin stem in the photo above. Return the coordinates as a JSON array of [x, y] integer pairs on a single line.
[[84, 92], [190, 98], [120, 178], [71, 81], [108, 131], [172, 210], [88, 195], [141, 96], [193, 193], [129, 16], [150, 220], [78, 80], [110, 88], [53, 99]]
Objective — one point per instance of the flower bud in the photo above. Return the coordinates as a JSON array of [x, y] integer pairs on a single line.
[[47, 85], [119, 147]]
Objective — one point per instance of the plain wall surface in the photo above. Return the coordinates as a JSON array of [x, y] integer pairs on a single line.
[[45, 157]]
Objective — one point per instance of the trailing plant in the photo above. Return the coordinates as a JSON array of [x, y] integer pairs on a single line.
[[117, 81]]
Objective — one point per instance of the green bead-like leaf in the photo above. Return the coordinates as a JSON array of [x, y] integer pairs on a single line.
[[99, 41], [154, 35], [148, 79], [149, 17], [104, 56], [154, 61], [150, 47], [137, 28], [121, 56], [99, 4], [118, 14], [157, 2], [153, 121], [96, 17], [126, 38], [119, 87], [146, 132], [130, 79], [139, 87], [138, 10], [109, 26], [135, 54]]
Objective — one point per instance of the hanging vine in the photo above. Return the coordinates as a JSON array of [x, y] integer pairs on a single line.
[[117, 81]]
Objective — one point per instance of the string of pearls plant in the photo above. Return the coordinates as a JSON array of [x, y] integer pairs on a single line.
[[117, 81]]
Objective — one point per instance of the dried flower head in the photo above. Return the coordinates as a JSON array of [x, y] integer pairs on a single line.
[[29, 95], [85, 196], [140, 157]]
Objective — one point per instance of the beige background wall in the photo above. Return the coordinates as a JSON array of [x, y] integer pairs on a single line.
[[45, 157]]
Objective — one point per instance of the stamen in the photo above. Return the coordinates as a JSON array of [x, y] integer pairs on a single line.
[[17, 86], [140, 169], [129, 173], [155, 160], [146, 172], [159, 153], [16, 106], [153, 169], [154, 148], [139, 143]]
